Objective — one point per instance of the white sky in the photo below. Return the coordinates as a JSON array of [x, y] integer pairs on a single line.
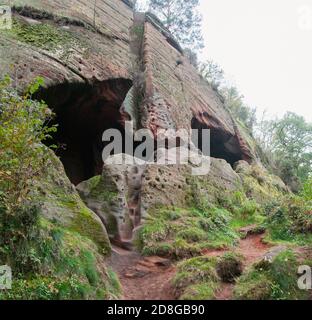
[[265, 47]]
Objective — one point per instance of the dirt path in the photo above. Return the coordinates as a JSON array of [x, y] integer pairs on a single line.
[[253, 249], [150, 278], [143, 278]]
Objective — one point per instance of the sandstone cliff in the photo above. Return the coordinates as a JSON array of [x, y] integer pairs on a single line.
[[103, 65]]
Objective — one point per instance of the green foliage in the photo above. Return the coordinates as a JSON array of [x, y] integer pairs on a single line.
[[289, 147], [278, 281], [42, 35], [17, 231], [181, 18], [213, 73], [59, 264], [244, 211], [198, 276], [185, 232], [48, 262], [229, 266], [230, 96], [289, 220], [253, 286], [285, 144], [306, 192], [44, 288], [192, 57], [201, 291], [22, 157], [23, 127], [113, 285]]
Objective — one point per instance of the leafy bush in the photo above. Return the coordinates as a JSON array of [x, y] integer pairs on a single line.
[[48, 262], [244, 211], [23, 128], [22, 157], [306, 192], [17, 231], [289, 219]]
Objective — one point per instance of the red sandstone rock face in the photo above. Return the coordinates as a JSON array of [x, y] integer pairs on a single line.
[[97, 52], [99, 45], [176, 96], [109, 66]]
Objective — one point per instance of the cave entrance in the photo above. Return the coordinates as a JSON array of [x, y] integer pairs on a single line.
[[83, 113], [222, 144]]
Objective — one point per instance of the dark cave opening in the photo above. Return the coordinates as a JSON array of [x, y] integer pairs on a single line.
[[83, 112], [222, 144]]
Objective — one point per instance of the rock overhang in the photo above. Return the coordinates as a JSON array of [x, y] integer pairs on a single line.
[[168, 95]]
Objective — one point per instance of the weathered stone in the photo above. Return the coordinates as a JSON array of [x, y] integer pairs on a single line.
[[126, 67], [115, 197], [268, 258], [61, 204], [174, 185], [258, 183], [74, 54]]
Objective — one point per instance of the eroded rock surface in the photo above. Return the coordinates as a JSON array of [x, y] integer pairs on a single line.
[[103, 65]]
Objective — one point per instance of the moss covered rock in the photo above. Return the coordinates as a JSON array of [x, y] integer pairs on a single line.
[[62, 264], [274, 280], [196, 278], [184, 233], [229, 267], [62, 205]]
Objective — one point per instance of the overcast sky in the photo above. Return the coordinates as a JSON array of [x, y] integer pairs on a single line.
[[265, 47]]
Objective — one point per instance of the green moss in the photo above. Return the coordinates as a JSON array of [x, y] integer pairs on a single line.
[[42, 35], [63, 206], [183, 249], [275, 281], [53, 243], [201, 291], [230, 266], [98, 190], [196, 278], [94, 182], [192, 234], [85, 223], [114, 287], [260, 185], [288, 220], [69, 267], [253, 286], [159, 249], [181, 233]]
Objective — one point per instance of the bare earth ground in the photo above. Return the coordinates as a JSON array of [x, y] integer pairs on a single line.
[[252, 248], [143, 278], [149, 278]]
